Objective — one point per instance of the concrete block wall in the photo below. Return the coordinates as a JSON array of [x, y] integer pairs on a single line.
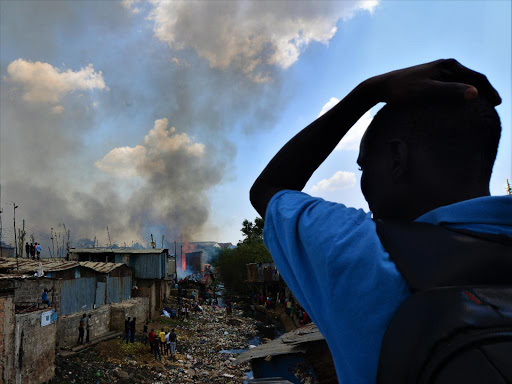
[[6, 338], [30, 291], [138, 307], [147, 288], [36, 344], [67, 326]]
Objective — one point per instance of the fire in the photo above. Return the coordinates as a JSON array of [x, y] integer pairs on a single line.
[[185, 247]]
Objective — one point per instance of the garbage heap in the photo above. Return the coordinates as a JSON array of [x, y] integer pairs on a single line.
[[208, 343]]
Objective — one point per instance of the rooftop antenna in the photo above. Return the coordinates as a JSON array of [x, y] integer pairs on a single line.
[[508, 188]]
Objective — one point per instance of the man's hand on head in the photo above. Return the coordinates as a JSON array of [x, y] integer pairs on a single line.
[[294, 164], [440, 79]]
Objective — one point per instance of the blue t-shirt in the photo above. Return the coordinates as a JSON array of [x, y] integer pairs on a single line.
[[333, 261]]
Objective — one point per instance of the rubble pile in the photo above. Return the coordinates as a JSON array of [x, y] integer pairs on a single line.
[[208, 343]]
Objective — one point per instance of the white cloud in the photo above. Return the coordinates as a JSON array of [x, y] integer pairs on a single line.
[[248, 35], [123, 161], [331, 103], [130, 5], [352, 139], [58, 109], [340, 180], [160, 144], [44, 83]]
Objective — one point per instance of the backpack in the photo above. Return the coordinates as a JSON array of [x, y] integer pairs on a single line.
[[456, 327]]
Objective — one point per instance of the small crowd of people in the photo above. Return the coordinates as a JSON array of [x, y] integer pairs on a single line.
[[84, 325], [34, 250], [295, 310], [163, 343], [129, 330]]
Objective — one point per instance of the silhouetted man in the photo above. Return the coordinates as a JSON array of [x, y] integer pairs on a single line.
[[427, 156]]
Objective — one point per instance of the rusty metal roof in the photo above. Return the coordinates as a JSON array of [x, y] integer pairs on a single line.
[[30, 266], [100, 267], [119, 250]]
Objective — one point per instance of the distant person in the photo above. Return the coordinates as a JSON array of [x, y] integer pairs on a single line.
[[81, 329], [132, 330], [88, 326], [44, 296], [151, 339], [126, 330], [38, 251], [183, 312], [27, 250], [161, 336], [33, 251], [426, 157], [156, 347], [145, 331], [167, 343], [173, 339]]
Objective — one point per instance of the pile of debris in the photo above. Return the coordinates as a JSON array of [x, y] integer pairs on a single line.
[[208, 343]]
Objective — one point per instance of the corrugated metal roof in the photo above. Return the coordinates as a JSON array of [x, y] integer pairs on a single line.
[[119, 250], [31, 266], [291, 342], [100, 267]]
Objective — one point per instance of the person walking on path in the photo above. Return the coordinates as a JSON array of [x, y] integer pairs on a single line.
[[89, 326], [161, 336], [156, 347], [126, 330], [38, 251], [167, 343], [145, 331], [172, 341], [33, 251], [151, 339], [81, 329], [27, 250]]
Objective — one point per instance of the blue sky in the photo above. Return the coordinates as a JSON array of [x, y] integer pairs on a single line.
[[236, 80]]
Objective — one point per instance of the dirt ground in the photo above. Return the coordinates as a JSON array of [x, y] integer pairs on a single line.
[[198, 358]]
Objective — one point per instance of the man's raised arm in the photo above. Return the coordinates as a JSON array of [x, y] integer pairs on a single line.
[[294, 164]]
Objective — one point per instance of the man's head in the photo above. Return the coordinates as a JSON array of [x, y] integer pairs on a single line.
[[417, 157], [90, 316], [84, 315]]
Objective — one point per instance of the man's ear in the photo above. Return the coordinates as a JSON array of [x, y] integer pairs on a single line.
[[398, 151]]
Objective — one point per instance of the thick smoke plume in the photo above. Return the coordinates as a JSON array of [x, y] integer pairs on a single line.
[[116, 114]]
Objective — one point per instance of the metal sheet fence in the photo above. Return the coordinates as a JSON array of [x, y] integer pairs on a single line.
[[118, 289], [77, 295]]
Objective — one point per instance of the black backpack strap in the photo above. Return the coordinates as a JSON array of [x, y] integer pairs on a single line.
[[433, 256]]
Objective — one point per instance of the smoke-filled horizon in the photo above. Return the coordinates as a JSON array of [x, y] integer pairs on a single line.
[[126, 121], [150, 117]]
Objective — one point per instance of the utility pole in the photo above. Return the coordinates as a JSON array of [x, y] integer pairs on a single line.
[[175, 264], [94, 243], [163, 241], [15, 242], [509, 191], [53, 245], [152, 242], [21, 234], [1, 216], [110, 241]]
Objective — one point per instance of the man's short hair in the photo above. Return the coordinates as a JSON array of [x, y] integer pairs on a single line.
[[463, 135]]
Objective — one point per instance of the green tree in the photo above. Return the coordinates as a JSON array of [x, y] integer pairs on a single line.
[[232, 263]]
